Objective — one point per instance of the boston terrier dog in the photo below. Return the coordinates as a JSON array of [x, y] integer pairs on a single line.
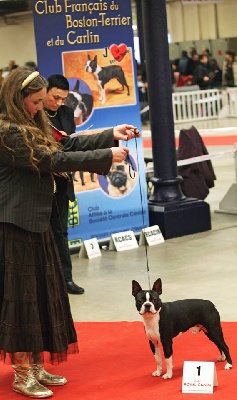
[[81, 103], [164, 321], [105, 74]]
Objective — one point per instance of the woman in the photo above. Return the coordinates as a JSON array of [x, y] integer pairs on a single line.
[[35, 316], [230, 69]]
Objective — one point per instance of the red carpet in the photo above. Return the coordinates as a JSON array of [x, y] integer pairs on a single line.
[[115, 362], [226, 140]]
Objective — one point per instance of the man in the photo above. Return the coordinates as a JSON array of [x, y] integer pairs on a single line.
[[201, 74], [192, 63], [62, 117], [183, 62]]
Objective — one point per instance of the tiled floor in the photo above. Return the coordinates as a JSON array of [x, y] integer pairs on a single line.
[[203, 265]]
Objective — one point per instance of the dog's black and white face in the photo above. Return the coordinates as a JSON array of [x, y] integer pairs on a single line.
[[147, 301], [91, 65], [74, 100]]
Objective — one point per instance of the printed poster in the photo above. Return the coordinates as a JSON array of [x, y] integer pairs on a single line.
[[91, 43]]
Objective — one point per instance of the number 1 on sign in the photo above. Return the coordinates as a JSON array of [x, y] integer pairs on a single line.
[[199, 377]]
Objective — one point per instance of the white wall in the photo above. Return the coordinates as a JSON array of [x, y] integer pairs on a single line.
[[17, 43], [226, 18], [175, 27], [205, 21]]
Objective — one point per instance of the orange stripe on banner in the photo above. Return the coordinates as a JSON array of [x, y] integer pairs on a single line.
[[208, 141]]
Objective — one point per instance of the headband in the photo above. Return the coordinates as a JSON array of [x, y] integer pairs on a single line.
[[29, 79]]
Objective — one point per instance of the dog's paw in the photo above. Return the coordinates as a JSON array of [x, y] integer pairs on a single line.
[[157, 373], [228, 366], [167, 376]]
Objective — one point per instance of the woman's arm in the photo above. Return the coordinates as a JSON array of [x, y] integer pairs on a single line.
[[17, 155], [85, 142], [107, 138]]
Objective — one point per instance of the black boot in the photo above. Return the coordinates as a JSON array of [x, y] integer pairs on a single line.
[[72, 288]]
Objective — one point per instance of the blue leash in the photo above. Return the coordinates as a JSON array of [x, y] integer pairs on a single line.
[[132, 174]]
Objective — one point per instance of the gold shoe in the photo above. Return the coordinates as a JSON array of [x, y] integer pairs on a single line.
[[46, 378], [25, 383]]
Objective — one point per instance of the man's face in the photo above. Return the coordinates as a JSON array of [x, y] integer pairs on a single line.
[[55, 97]]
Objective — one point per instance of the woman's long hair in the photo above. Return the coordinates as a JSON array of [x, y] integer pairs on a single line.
[[36, 132]]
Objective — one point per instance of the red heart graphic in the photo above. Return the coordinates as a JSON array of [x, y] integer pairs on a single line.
[[118, 52]]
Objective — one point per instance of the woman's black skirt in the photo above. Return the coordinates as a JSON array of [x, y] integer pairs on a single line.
[[35, 314]]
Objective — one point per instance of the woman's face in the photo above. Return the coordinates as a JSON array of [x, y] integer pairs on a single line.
[[55, 98], [34, 102], [228, 58]]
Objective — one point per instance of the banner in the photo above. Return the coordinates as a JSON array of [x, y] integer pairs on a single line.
[[91, 43]]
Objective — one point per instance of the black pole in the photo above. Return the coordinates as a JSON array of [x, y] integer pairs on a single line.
[[168, 207], [166, 182], [140, 31]]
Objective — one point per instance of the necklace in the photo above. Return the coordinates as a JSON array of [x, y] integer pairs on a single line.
[[51, 116]]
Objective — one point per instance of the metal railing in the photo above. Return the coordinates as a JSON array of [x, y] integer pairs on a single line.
[[196, 105]]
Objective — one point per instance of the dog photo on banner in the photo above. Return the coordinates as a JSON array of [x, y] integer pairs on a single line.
[[110, 81]]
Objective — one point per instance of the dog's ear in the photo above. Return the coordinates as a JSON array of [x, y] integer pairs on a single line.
[[76, 87], [89, 57], [157, 286], [135, 288], [95, 58]]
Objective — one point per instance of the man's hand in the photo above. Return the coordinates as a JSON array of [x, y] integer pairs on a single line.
[[126, 132]]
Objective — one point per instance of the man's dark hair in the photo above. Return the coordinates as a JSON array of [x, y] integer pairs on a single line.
[[202, 56], [193, 53], [184, 53], [58, 81]]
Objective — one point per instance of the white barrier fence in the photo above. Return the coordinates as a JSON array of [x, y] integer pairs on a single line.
[[199, 105], [196, 105], [229, 98]]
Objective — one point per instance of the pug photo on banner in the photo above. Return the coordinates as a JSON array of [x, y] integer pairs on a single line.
[[121, 178]]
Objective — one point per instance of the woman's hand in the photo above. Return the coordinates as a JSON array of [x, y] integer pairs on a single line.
[[119, 153], [126, 132]]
